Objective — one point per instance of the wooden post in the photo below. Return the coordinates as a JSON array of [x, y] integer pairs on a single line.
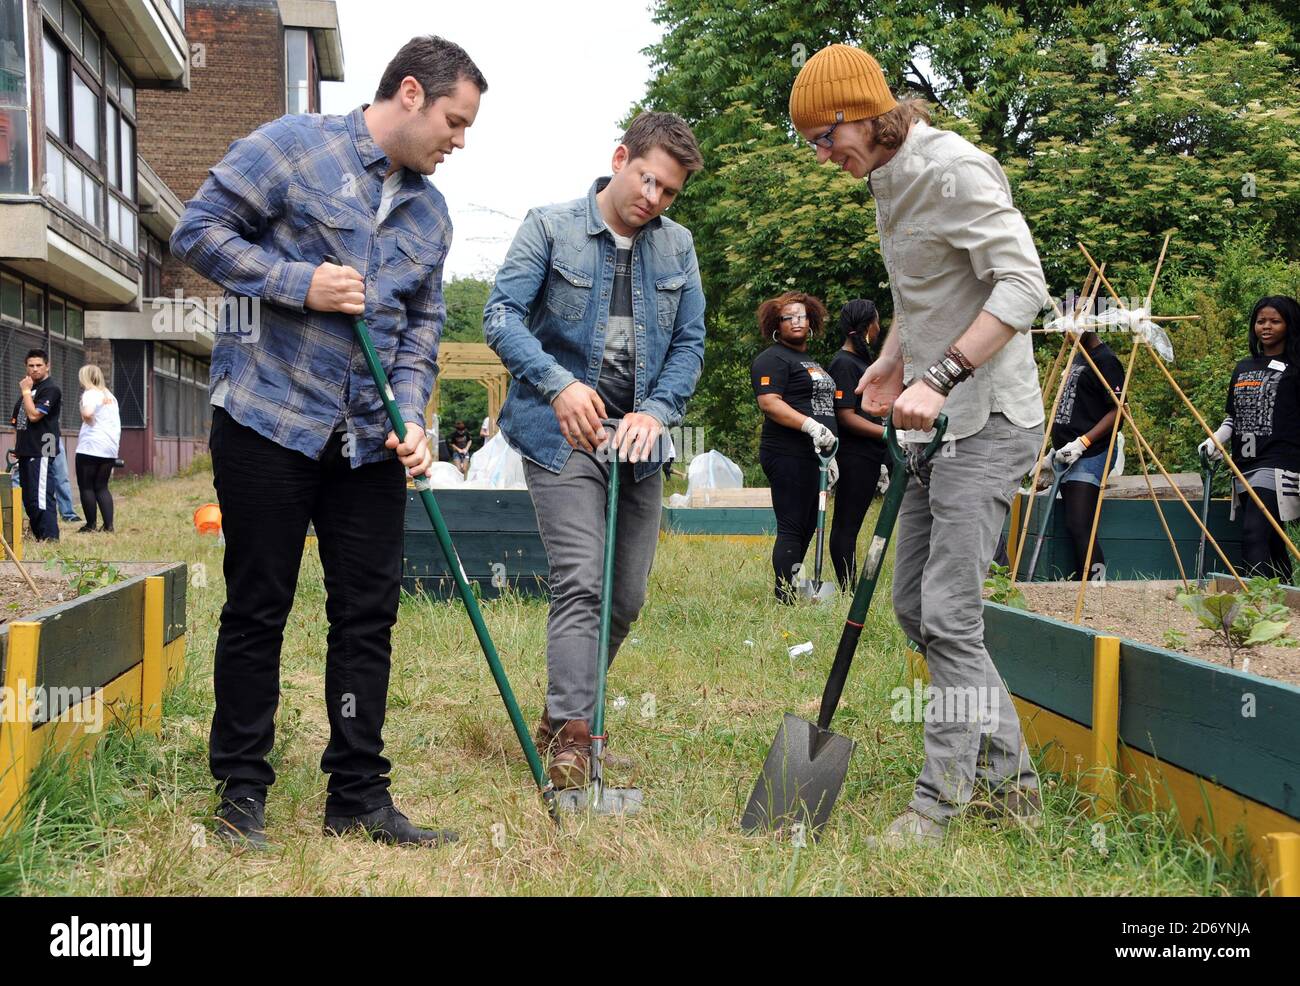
[[1283, 859], [16, 535], [154, 670], [16, 723], [1105, 724]]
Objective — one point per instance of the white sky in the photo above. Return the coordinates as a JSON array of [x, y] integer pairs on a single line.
[[560, 77]]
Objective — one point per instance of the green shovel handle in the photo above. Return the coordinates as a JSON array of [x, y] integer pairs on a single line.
[[453, 562], [895, 450]]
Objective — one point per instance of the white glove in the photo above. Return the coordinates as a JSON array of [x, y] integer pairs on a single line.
[[822, 437], [1211, 452], [1072, 453], [832, 474], [1044, 469]]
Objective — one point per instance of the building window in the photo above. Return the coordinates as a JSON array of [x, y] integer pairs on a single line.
[[34, 307], [151, 259], [15, 174], [90, 128], [11, 299], [301, 81]]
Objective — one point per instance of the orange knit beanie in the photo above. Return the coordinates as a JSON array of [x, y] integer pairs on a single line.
[[838, 84]]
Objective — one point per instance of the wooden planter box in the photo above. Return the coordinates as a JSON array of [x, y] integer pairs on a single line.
[[11, 515], [1131, 535], [1220, 746], [102, 658], [495, 533], [732, 523]]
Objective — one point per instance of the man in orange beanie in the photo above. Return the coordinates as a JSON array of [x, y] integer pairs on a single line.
[[967, 285]]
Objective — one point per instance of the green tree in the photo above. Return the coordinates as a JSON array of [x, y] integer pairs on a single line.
[[465, 400], [1115, 121]]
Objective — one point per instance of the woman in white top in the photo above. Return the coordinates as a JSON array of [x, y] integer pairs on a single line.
[[101, 430]]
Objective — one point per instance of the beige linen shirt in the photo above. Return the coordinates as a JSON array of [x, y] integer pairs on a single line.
[[953, 244]]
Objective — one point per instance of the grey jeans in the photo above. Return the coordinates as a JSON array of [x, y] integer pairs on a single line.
[[571, 519], [947, 533]]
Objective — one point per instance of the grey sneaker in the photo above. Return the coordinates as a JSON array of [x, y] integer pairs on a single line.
[[909, 829]]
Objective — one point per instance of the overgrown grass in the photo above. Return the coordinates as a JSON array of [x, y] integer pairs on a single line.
[[129, 820]]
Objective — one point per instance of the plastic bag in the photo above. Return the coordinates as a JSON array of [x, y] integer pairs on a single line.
[[496, 466], [712, 470], [443, 475]]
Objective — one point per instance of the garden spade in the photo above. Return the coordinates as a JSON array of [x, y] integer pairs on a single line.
[[596, 796], [815, 589], [422, 485], [807, 764], [1208, 468]]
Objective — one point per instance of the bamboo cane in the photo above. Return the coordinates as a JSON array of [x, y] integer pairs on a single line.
[[21, 567]]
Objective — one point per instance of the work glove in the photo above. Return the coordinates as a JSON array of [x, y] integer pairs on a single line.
[[822, 437], [1044, 469], [832, 474], [1208, 448], [1071, 453]]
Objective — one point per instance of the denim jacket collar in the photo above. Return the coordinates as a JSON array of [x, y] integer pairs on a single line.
[[595, 221]]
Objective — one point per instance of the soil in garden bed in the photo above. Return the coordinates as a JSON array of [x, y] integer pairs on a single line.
[[17, 599], [1144, 611]]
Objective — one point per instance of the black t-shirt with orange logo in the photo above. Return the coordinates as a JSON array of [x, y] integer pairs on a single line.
[[800, 381], [1264, 404], [846, 370]]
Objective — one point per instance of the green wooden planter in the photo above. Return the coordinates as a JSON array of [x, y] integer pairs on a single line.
[[496, 536], [114, 650], [755, 521], [1133, 539]]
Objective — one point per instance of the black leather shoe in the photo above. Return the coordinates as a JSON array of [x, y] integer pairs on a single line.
[[241, 822], [388, 825]]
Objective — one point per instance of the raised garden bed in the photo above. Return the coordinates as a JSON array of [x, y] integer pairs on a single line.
[[1149, 726], [1131, 535], [1147, 612], [496, 536], [72, 668], [11, 514]]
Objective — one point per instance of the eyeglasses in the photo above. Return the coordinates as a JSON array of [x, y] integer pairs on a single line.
[[825, 140], [794, 318]]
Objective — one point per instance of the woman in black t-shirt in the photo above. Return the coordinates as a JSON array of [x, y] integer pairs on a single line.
[[1080, 437], [1263, 424], [862, 444], [797, 398]]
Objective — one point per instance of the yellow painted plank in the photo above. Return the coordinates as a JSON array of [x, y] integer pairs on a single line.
[[16, 535], [155, 671], [80, 727], [1283, 863], [15, 722], [1104, 756], [174, 660]]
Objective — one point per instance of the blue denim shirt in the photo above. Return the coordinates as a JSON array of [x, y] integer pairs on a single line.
[[291, 192], [548, 310]]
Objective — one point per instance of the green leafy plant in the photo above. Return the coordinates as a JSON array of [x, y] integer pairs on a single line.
[[1257, 615], [85, 575], [1002, 590], [1175, 639]]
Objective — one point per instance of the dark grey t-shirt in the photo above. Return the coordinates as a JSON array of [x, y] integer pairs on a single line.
[[616, 385]]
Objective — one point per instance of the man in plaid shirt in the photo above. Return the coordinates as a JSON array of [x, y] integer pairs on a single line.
[[299, 433]]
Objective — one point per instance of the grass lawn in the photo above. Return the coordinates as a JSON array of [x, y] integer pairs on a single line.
[[701, 708]]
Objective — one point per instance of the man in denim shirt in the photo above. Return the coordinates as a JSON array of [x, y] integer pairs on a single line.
[[598, 314], [299, 433]]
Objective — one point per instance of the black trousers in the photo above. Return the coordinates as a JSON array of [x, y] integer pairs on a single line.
[[794, 481], [1079, 500], [267, 495], [36, 474], [1262, 550], [93, 472], [859, 476]]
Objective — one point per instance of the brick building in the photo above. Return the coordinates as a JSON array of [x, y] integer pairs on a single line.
[[111, 112]]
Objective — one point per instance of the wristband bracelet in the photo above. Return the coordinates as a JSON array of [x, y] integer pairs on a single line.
[[1087, 443], [954, 353], [936, 383]]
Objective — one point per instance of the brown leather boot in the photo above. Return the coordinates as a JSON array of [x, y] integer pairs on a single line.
[[544, 738], [570, 762]]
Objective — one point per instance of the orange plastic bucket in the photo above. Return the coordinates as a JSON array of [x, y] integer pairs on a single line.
[[207, 519]]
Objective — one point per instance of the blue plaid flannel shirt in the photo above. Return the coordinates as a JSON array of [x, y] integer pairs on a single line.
[[291, 192]]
